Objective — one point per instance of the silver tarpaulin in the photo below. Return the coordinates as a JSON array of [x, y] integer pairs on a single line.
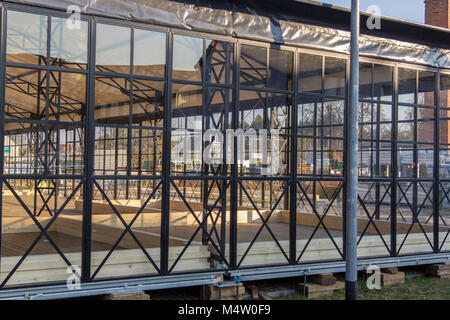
[[251, 26]]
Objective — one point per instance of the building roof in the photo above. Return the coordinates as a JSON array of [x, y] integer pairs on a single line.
[[299, 23]]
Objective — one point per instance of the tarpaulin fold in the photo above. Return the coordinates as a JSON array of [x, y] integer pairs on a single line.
[[224, 20]]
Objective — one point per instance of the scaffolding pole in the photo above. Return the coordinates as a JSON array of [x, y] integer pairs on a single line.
[[351, 274]]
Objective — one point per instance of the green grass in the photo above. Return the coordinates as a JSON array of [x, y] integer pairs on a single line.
[[419, 288]]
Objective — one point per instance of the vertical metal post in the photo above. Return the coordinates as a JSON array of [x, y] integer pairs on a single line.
[[293, 181], [2, 115], [89, 159], [351, 274], [436, 171], [165, 213], [234, 165], [394, 156]]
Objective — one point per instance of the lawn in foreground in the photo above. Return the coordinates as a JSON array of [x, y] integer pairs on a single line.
[[418, 288]]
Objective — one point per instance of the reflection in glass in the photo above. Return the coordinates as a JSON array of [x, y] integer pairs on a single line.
[[406, 85], [310, 75], [148, 102], [112, 100], [187, 105], [365, 80], [187, 58], [149, 53], [219, 61], [253, 66], [335, 76], [125, 199], [44, 199], [18, 103], [27, 38], [445, 91], [69, 45], [146, 152], [383, 87], [110, 151], [280, 68], [427, 85], [263, 152], [67, 96], [113, 48], [25, 149]]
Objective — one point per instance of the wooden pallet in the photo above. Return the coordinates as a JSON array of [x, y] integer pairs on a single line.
[[441, 270], [389, 279], [314, 290]]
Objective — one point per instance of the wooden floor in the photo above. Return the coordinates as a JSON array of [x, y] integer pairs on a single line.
[[246, 232], [15, 244]]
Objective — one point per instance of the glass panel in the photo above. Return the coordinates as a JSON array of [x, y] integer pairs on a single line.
[[365, 80], [383, 87], [112, 100], [374, 219], [25, 94], [335, 76], [253, 66], [415, 205], [111, 150], [148, 102], [258, 243], [26, 145], [263, 147], [187, 58], [199, 224], [113, 48], [280, 68], [149, 53], [187, 129], [406, 116], [425, 125], [427, 87], [146, 156], [27, 38], [187, 106], [67, 93], [69, 45], [115, 252], [220, 61], [320, 200], [310, 77], [445, 91], [26, 91], [425, 161], [406, 85], [406, 164], [44, 199], [444, 162]]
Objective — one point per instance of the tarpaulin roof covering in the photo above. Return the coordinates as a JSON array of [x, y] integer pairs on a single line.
[[316, 26]]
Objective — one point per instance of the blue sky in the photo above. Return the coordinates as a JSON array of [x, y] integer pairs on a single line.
[[412, 10]]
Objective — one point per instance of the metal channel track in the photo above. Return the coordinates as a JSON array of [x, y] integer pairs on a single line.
[[335, 267], [111, 287]]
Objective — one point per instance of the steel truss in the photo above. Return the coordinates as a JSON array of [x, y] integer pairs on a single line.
[[239, 88]]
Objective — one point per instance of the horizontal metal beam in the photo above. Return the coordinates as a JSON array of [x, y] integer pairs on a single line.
[[198, 279], [264, 273], [122, 286]]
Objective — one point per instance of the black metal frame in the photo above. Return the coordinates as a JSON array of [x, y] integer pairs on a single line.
[[232, 183]]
